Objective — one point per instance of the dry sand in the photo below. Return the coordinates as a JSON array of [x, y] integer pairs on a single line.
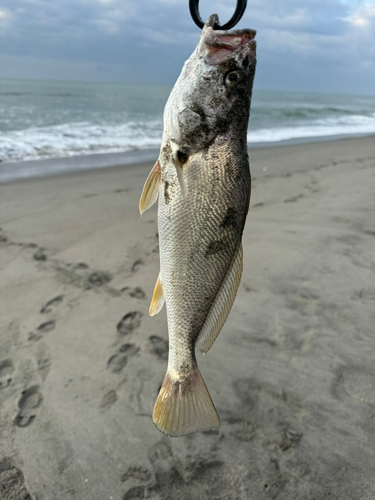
[[292, 374]]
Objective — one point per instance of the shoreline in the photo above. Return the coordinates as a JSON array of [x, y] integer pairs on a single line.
[[28, 169]]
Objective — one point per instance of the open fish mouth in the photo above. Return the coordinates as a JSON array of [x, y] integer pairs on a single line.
[[218, 44]]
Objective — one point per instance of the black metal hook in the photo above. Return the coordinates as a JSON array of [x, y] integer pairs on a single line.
[[238, 13]]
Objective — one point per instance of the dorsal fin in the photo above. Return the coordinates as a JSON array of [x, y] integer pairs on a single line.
[[151, 188], [222, 304]]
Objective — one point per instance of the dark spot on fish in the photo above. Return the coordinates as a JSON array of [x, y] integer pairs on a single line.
[[245, 62], [166, 153], [214, 247], [230, 218], [182, 157], [203, 132], [167, 197]]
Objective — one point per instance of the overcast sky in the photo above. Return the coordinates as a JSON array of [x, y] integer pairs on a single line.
[[312, 45]]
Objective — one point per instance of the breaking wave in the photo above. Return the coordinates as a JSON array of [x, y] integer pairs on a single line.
[[74, 139], [340, 126], [83, 138]]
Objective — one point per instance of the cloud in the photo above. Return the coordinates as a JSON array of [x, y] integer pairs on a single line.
[[363, 16], [170, 37], [5, 17], [323, 45]]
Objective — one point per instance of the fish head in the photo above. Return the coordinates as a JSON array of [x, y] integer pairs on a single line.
[[211, 99]]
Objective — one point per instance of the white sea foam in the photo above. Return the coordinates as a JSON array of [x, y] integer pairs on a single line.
[[344, 125], [82, 138], [78, 139]]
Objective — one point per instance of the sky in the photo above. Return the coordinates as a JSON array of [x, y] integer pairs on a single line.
[[303, 45]]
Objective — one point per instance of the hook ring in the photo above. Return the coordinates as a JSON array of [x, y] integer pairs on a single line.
[[238, 13]]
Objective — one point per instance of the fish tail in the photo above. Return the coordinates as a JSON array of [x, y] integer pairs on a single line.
[[183, 407]]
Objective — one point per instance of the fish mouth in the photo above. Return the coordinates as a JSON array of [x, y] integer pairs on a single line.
[[213, 21], [216, 45]]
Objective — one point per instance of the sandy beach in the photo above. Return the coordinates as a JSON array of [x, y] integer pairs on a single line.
[[292, 374]]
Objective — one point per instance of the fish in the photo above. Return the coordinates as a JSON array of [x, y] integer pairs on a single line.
[[202, 182]]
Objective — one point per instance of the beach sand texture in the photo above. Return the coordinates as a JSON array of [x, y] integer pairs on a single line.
[[292, 373]]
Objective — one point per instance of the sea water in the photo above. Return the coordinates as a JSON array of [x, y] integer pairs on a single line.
[[52, 119]]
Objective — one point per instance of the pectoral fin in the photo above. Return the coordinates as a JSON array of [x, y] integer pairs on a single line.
[[157, 301], [151, 188], [222, 304]]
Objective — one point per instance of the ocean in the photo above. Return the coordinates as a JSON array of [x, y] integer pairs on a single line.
[[51, 119]]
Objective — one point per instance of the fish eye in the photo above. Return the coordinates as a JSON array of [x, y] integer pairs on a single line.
[[232, 78]]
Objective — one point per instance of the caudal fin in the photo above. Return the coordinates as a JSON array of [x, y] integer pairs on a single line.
[[184, 407]]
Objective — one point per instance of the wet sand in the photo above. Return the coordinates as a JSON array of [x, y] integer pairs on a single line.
[[292, 373]]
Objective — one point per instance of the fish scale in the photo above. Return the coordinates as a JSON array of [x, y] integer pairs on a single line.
[[188, 279]]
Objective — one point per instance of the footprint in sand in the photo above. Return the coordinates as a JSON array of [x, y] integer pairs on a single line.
[[137, 473], [46, 327], [166, 471], [12, 482], [356, 383], [129, 322], [140, 478], [99, 278], [367, 294], [135, 493], [6, 371], [159, 347], [118, 361], [40, 255], [30, 401], [136, 292], [137, 264], [171, 476], [108, 400], [80, 265], [293, 199], [48, 307]]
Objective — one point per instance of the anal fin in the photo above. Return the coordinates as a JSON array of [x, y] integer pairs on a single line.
[[222, 304], [151, 188], [157, 301]]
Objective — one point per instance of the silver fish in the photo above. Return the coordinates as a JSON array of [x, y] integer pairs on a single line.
[[202, 178]]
